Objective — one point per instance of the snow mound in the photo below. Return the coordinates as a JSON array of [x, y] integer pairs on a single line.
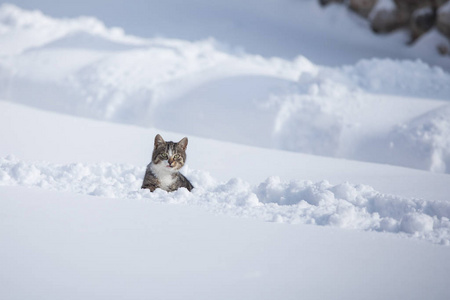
[[298, 202], [429, 136], [378, 76], [80, 67], [398, 77], [21, 30]]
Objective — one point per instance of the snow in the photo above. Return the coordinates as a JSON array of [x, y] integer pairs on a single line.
[[282, 196], [343, 205], [73, 246], [428, 133], [291, 105], [318, 171]]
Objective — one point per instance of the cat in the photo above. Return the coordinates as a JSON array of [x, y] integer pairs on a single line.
[[163, 171]]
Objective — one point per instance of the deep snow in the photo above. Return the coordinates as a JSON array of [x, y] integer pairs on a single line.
[[344, 205], [75, 224], [272, 186], [374, 110], [62, 245], [331, 36]]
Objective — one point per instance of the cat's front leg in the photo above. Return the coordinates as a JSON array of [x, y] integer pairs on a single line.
[[151, 187]]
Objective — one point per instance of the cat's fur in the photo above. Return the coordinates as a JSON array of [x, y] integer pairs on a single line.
[[163, 171]]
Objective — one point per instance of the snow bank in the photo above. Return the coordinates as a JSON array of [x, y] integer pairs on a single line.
[[80, 67], [397, 77], [429, 136], [21, 30], [298, 202]]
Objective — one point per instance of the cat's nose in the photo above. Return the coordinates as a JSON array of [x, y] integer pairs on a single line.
[[170, 161]]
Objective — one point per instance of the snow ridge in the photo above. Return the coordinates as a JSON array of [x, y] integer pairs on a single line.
[[429, 134], [297, 202], [22, 30], [293, 105]]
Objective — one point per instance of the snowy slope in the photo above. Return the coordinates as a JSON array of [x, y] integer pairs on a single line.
[[108, 160], [312, 181], [330, 36], [67, 246], [375, 110], [61, 240]]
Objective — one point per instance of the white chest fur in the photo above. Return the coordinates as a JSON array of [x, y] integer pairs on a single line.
[[164, 174]]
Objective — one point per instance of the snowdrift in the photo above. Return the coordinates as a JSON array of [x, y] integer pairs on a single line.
[[103, 248], [361, 111], [100, 159], [74, 223], [297, 202]]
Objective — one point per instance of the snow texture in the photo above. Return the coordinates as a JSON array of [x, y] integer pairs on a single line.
[[296, 202], [293, 105], [352, 109], [429, 134]]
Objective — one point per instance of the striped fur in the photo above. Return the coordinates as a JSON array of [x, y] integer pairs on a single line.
[[163, 171]]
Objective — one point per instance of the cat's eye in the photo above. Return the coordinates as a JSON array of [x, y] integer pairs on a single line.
[[176, 156], [163, 155]]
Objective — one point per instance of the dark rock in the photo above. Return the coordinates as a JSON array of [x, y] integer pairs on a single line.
[[422, 20], [385, 21], [326, 2], [443, 20], [362, 7], [409, 6], [442, 49]]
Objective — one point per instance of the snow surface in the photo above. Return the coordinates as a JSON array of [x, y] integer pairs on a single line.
[[340, 137], [362, 111], [344, 205], [74, 219], [67, 246], [291, 199], [330, 36]]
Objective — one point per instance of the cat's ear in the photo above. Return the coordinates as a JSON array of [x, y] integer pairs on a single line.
[[159, 141], [183, 143]]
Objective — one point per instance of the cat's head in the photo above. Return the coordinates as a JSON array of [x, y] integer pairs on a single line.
[[169, 154]]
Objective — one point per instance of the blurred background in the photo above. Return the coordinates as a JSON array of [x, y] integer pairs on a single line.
[[328, 32]]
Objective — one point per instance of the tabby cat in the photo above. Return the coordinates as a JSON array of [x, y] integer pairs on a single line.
[[163, 171]]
